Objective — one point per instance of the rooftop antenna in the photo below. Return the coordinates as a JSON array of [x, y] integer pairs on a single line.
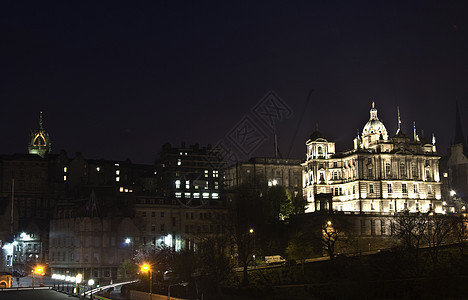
[[12, 204], [399, 120], [300, 121]]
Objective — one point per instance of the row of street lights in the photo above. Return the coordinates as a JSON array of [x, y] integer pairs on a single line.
[[73, 279]]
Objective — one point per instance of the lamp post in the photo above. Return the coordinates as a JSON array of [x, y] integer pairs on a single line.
[[147, 268], [251, 232], [38, 270], [91, 283], [78, 280], [129, 241]]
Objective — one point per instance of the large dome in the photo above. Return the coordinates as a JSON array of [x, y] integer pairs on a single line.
[[374, 126]]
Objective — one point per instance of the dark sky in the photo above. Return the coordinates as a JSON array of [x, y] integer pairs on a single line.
[[118, 79]]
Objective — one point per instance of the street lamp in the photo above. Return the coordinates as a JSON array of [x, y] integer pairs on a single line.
[[78, 280], [147, 268], [91, 283], [129, 241], [38, 270]]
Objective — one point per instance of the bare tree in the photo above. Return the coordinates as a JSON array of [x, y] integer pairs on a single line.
[[409, 229], [438, 230], [460, 231]]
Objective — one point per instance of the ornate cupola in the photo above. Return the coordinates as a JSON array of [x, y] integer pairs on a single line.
[[374, 130], [39, 140]]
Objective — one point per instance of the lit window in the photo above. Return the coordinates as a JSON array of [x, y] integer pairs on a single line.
[[117, 178], [206, 173], [196, 195], [98, 169], [177, 184], [215, 174], [445, 174], [65, 169], [121, 189], [178, 195], [215, 195], [206, 185], [187, 184], [206, 195], [187, 195], [130, 191], [64, 177], [126, 190], [180, 153], [388, 170], [117, 172], [216, 185], [116, 165]]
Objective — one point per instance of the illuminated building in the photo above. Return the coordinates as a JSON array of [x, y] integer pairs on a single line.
[[169, 222], [381, 175], [190, 175], [93, 246]]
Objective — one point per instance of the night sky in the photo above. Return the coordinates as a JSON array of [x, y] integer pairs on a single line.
[[118, 79]]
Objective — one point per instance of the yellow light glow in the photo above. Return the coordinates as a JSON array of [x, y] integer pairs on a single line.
[[145, 268], [39, 270]]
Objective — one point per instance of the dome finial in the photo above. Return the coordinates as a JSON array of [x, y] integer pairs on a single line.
[[373, 104]]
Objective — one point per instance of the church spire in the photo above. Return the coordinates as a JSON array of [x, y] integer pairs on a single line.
[[458, 127], [39, 140], [40, 121]]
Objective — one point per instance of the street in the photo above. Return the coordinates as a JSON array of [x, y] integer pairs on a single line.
[[36, 294]]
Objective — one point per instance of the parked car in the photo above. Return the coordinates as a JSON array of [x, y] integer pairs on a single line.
[[274, 259]]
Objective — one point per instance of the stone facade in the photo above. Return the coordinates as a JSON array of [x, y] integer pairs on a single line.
[[94, 247], [380, 175], [269, 170]]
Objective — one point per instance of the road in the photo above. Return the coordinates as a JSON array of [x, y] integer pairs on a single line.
[[36, 294]]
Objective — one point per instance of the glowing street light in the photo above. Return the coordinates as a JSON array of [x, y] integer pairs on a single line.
[[91, 283], [452, 193], [39, 270], [251, 230], [128, 241], [329, 223], [147, 268]]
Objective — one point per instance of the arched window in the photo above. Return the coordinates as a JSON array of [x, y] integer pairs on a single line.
[[388, 170], [320, 150], [402, 169]]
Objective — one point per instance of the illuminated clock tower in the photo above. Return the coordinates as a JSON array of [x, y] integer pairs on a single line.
[[39, 141]]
